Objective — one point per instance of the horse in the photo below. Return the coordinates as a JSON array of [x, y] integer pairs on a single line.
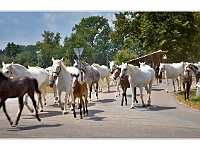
[[18, 87], [17, 70], [139, 77], [124, 84], [104, 73], [61, 76], [157, 75], [91, 76], [187, 82], [79, 89], [113, 66], [196, 71], [172, 71]]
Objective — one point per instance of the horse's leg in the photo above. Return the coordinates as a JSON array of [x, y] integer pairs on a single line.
[[118, 90], [97, 84], [44, 93], [108, 82], [31, 94], [59, 99], [148, 95], [90, 92], [83, 106], [167, 85], [55, 91], [21, 106], [125, 95], [141, 96], [178, 88], [86, 102], [40, 102], [80, 107], [26, 104], [133, 95], [4, 109], [173, 83], [67, 93]]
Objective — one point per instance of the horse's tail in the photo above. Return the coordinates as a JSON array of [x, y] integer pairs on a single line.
[[36, 85]]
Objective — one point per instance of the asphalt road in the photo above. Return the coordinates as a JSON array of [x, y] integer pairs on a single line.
[[167, 118]]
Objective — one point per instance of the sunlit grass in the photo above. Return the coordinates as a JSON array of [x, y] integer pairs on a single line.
[[193, 101]]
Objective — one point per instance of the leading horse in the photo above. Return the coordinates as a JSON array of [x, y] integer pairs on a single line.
[[139, 77], [18, 87]]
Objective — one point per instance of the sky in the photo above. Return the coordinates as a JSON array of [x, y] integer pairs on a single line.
[[24, 21], [26, 28]]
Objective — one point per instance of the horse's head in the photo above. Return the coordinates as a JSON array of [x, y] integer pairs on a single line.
[[161, 69], [124, 68], [112, 66], [52, 79], [56, 67], [74, 80], [7, 69], [116, 73]]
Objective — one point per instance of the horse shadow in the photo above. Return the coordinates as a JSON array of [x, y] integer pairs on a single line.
[[46, 114], [33, 127], [106, 100], [157, 108], [93, 117]]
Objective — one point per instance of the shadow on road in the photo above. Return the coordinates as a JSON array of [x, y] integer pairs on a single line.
[[158, 108], [106, 100], [20, 128], [92, 116]]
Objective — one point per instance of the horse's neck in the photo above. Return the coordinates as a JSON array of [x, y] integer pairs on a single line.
[[133, 71], [18, 71], [86, 69]]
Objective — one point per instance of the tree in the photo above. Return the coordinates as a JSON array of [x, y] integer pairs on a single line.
[[49, 47], [151, 31], [12, 50], [95, 30]]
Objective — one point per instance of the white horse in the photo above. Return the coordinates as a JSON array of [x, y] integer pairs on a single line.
[[61, 76], [172, 71], [17, 70], [113, 66], [91, 75], [104, 73], [139, 77]]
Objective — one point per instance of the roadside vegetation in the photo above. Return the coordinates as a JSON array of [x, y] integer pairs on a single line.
[[193, 101]]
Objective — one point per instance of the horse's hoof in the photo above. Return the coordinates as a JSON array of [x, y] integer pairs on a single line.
[[132, 107], [11, 123], [31, 110], [45, 103], [64, 112], [166, 91], [41, 110]]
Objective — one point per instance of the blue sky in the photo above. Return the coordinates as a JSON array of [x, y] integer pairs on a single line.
[[26, 28]]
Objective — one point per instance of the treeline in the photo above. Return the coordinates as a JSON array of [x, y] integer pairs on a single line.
[[134, 34]]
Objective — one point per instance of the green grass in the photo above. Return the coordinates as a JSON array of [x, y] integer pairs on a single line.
[[193, 101]]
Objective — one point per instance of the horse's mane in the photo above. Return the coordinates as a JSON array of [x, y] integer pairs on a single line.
[[195, 66], [63, 67], [19, 66], [134, 69], [2, 76]]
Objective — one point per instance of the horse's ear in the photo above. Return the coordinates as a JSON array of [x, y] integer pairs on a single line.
[[3, 63], [62, 59], [12, 63], [75, 60], [52, 59]]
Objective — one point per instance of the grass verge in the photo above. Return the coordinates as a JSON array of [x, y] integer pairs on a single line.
[[193, 101]]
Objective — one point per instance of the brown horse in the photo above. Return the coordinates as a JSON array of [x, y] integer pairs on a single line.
[[18, 87], [79, 89], [187, 82], [124, 84]]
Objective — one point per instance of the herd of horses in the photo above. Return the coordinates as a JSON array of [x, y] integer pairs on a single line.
[[19, 81]]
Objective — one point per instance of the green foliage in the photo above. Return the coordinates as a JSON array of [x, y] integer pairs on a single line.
[[151, 31], [124, 56], [49, 47], [193, 101]]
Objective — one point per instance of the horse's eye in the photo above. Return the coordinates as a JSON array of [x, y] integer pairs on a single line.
[[7, 71]]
